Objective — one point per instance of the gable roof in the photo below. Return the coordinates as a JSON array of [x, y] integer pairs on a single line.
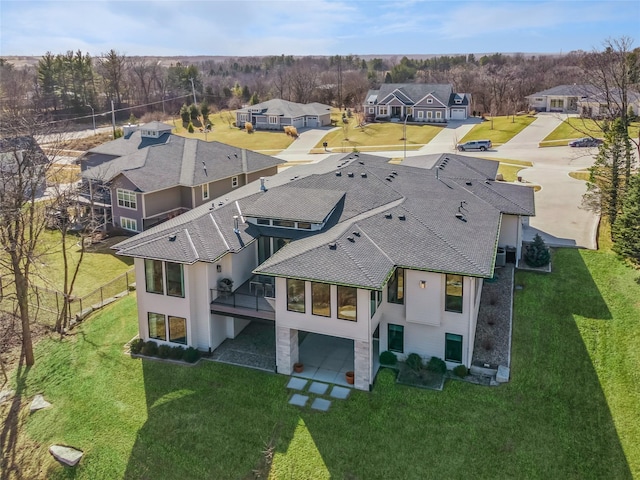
[[181, 161], [565, 91], [393, 215], [411, 93], [284, 108]]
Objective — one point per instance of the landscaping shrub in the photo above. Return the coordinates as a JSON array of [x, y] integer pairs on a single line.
[[461, 371], [176, 353], [190, 128], [191, 355], [164, 351], [150, 348], [414, 361], [248, 126], [388, 358], [136, 345], [436, 365], [537, 254]]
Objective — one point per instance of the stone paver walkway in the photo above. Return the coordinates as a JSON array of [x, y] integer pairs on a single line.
[[318, 391]]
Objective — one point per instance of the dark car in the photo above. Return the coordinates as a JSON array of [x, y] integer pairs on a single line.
[[482, 145], [586, 142]]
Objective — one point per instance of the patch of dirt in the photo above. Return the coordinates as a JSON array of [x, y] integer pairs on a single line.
[[87, 143], [11, 340]]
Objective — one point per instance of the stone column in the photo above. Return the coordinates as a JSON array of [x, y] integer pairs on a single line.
[[286, 349], [362, 364]]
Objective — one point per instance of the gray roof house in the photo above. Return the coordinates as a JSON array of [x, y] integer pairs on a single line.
[[275, 114], [416, 102], [151, 175], [586, 100], [359, 254]]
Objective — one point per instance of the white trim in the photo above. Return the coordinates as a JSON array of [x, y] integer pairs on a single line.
[[128, 193], [132, 224]]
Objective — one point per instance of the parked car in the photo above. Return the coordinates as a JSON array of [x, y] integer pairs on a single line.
[[586, 142], [474, 145]]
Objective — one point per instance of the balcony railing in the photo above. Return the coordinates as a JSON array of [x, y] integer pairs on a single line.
[[248, 301]]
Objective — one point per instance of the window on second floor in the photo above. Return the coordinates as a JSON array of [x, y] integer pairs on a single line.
[[234, 182], [453, 294], [127, 198], [175, 279], [348, 303], [321, 299], [395, 287], [205, 191], [153, 276], [295, 295]]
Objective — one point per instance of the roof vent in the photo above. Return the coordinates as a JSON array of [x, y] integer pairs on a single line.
[[338, 173], [363, 174], [487, 182], [393, 172], [333, 246], [357, 234], [356, 155], [361, 162], [460, 216], [388, 215], [469, 183], [172, 237], [351, 239], [350, 174], [228, 157], [235, 155], [401, 217], [263, 187], [388, 179], [220, 204]]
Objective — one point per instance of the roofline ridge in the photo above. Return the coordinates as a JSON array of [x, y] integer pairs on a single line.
[[215, 224], [195, 251], [356, 262], [373, 242]]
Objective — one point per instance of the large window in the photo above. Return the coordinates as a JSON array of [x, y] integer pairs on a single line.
[[295, 295], [372, 303], [129, 224], [347, 303], [395, 338], [321, 299], [382, 110], [395, 287], [177, 330], [175, 279], [453, 348], [264, 248], [127, 199], [157, 327], [153, 276], [453, 294], [557, 103]]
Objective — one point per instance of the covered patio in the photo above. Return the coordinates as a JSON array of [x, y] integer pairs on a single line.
[[325, 358]]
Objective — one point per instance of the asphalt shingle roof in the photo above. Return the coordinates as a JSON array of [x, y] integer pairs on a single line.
[[410, 93], [293, 203], [393, 215], [285, 108]]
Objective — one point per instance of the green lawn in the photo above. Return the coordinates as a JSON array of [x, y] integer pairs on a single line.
[[574, 127], [377, 136], [570, 411], [504, 129], [269, 142]]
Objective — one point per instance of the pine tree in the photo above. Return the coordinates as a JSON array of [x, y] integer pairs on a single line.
[[626, 229], [537, 254]]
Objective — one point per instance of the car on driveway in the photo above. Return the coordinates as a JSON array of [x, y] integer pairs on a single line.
[[586, 142], [482, 145]]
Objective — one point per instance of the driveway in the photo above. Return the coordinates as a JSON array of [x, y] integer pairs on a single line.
[[447, 139], [301, 146]]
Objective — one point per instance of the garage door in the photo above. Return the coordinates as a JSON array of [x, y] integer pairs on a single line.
[[458, 113], [312, 122]]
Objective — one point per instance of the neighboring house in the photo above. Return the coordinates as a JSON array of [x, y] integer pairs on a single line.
[[276, 114], [585, 100], [389, 257], [418, 102], [150, 175], [22, 154]]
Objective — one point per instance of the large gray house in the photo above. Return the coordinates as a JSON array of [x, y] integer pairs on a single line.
[[150, 175], [276, 114], [352, 253], [417, 102], [586, 100]]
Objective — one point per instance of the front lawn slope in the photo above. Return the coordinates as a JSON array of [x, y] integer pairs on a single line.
[[570, 410]]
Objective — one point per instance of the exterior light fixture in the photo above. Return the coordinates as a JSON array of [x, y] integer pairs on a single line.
[[423, 284]]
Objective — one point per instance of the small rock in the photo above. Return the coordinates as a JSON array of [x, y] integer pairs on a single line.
[[38, 403], [6, 395], [519, 287], [66, 455], [503, 374]]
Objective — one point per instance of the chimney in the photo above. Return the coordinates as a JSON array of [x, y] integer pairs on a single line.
[[263, 188]]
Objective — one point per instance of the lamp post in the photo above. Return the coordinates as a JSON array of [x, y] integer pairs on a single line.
[[93, 116]]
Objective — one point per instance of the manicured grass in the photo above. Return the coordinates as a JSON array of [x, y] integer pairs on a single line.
[[99, 265], [504, 129], [376, 136], [574, 127], [570, 410], [269, 142]]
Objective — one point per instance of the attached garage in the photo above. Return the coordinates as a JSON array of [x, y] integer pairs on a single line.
[[458, 113], [312, 122]]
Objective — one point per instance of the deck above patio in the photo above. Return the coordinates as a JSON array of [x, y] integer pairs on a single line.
[[251, 300]]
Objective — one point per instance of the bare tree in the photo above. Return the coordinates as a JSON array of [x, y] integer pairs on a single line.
[[23, 172]]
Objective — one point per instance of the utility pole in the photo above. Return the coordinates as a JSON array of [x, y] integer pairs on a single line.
[[193, 90], [113, 119], [93, 116]]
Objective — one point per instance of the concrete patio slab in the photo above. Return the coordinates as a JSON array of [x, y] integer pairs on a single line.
[[296, 383], [298, 400], [318, 388], [340, 392], [321, 404]]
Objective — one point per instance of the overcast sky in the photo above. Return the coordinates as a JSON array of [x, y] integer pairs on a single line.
[[312, 27]]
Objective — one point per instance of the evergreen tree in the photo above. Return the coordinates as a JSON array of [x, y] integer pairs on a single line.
[[537, 254], [184, 113], [626, 229], [205, 111], [254, 100]]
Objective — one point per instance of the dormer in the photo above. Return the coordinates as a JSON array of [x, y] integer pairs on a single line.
[[154, 129]]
